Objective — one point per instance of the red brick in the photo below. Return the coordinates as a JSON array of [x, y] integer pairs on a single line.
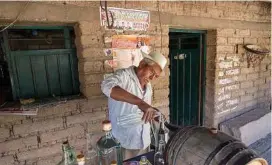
[[232, 72], [244, 32], [252, 90], [160, 102], [56, 135], [252, 76], [237, 93], [256, 33], [52, 160], [92, 91], [7, 160], [160, 83], [161, 93], [78, 144], [19, 143], [88, 105], [265, 87], [232, 102], [90, 79], [235, 40], [95, 126], [247, 70], [85, 117], [263, 41], [86, 41], [87, 28], [232, 87], [90, 66], [247, 98], [4, 133], [221, 40], [92, 53], [225, 32], [225, 64], [225, 49], [40, 126], [59, 110], [247, 84], [251, 103], [10, 120], [41, 152], [265, 74], [250, 40]]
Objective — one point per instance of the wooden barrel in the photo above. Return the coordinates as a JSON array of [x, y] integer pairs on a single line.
[[193, 145]]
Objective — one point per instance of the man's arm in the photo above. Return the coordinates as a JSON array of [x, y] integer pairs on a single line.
[[112, 87], [119, 94]]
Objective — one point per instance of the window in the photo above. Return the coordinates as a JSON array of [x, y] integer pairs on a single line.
[[38, 62]]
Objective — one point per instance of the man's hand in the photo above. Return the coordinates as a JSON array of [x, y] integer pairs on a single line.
[[149, 111]]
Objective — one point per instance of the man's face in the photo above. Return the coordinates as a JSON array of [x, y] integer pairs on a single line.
[[147, 73]]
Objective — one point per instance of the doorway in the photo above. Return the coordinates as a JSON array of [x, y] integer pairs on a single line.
[[187, 51]]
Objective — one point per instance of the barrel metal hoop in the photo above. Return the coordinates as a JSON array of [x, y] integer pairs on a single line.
[[186, 136], [217, 149], [231, 155], [245, 159], [173, 139]]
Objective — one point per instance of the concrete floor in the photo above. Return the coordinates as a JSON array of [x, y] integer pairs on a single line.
[[263, 148]]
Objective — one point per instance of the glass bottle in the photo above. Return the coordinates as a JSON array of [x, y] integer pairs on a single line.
[[161, 135], [108, 148], [91, 152], [69, 155], [158, 157], [161, 132], [144, 161]]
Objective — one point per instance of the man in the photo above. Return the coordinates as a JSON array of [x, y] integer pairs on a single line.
[[129, 92]]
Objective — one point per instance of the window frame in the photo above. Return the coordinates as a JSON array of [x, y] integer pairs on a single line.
[[11, 62]]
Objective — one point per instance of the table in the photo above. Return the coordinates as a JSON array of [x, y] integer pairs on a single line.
[[149, 156]]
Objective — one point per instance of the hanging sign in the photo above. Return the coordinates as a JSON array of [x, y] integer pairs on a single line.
[[130, 41], [125, 19]]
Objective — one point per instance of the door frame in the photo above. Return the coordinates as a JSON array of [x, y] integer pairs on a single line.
[[201, 111]]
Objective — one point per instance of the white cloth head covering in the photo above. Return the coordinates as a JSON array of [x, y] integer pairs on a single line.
[[156, 57]]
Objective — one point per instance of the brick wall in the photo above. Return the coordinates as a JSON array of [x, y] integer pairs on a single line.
[[239, 88], [37, 139]]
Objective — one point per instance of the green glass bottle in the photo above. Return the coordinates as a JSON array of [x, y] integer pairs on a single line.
[[69, 155], [108, 148]]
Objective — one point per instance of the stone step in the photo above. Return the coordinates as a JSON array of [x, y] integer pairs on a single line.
[[248, 127], [263, 148]]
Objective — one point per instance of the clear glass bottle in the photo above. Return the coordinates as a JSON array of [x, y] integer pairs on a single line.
[[158, 157], [69, 155], [91, 152], [161, 136], [161, 132], [144, 161], [108, 148]]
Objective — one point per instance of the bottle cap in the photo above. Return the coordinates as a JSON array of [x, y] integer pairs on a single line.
[[80, 159], [106, 125], [113, 162], [143, 158]]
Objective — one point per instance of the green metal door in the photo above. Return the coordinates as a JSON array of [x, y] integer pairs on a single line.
[[186, 78]]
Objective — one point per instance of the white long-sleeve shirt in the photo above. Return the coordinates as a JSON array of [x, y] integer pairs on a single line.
[[124, 116]]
